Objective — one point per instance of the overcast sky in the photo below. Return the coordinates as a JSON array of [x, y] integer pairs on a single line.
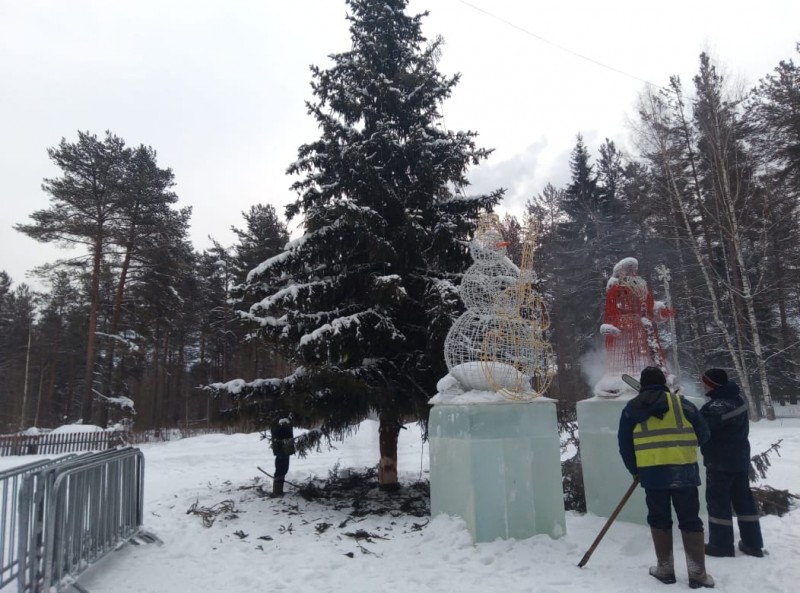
[[218, 88]]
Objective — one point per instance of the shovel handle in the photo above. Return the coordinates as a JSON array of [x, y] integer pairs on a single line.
[[611, 519]]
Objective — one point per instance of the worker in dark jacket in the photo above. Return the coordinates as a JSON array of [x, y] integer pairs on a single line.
[[727, 459], [658, 435], [282, 442]]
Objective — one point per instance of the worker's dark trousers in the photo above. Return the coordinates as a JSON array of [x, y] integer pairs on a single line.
[[687, 508], [281, 465], [723, 491]]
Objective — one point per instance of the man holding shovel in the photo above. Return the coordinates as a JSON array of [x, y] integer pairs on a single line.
[[659, 433]]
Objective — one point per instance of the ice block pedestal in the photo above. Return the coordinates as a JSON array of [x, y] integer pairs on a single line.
[[605, 478], [498, 467]]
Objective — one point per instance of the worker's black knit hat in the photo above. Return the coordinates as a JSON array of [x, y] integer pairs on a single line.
[[715, 378], [652, 376]]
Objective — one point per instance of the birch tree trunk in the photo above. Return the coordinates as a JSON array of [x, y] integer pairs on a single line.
[[657, 124], [719, 148]]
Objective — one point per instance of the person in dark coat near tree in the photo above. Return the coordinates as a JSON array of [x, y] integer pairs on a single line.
[[658, 435], [727, 459], [282, 442]]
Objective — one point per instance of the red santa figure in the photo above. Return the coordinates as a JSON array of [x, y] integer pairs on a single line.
[[629, 328]]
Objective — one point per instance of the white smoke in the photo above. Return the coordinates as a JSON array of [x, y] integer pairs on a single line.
[[690, 387], [593, 366]]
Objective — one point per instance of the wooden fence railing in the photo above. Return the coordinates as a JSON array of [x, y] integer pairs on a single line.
[[49, 444], [70, 442], [787, 411]]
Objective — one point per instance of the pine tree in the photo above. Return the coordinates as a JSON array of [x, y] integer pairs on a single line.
[[9, 356], [216, 274], [84, 204], [116, 203], [363, 300], [146, 224], [62, 329], [20, 363]]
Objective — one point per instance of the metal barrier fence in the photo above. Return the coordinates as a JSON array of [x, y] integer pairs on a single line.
[[73, 513], [10, 481]]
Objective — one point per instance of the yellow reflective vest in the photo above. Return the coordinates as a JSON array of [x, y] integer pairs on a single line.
[[667, 441]]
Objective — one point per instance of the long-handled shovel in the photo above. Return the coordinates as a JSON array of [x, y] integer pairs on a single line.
[[611, 519]]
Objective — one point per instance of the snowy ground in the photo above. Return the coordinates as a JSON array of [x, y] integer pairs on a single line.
[[439, 557]]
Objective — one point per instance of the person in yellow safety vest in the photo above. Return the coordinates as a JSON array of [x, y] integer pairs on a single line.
[[659, 433]]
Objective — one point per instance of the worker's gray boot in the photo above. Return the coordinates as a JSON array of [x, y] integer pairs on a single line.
[[277, 487], [664, 570], [696, 560]]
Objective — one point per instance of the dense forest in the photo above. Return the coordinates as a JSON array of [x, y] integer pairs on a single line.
[[138, 326], [129, 330]]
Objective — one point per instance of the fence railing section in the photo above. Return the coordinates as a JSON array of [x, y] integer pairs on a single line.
[[55, 443], [73, 513], [10, 484], [787, 410], [64, 442]]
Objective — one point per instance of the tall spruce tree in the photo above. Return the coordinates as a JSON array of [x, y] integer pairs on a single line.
[[774, 110], [579, 267], [363, 300], [773, 113], [264, 236]]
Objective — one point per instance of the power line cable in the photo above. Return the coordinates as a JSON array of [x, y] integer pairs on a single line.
[[557, 46]]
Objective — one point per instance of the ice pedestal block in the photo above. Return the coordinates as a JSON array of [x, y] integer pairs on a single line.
[[605, 478], [498, 467]]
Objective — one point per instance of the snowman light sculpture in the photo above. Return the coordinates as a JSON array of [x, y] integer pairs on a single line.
[[497, 344]]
